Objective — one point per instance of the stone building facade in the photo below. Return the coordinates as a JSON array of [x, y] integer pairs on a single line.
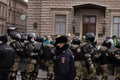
[[10, 15], [77, 17], [3, 16], [17, 8]]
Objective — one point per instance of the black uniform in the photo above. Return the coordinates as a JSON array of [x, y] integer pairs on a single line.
[[64, 64], [7, 55]]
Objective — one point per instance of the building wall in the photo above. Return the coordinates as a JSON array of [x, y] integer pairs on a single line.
[[16, 8], [10, 15], [3, 18], [34, 15], [43, 12]]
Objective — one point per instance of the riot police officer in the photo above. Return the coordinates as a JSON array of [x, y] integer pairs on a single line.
[[23, 61], [48, 53], [76, 49], [7, 56], [88, 49], [10, 32], [101, 59], [32, 49], [16, 44]]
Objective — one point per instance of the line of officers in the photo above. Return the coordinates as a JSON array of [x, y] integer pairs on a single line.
[[90, 59]]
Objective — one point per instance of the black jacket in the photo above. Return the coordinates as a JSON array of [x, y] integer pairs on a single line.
[[7, 56], [64, 64]]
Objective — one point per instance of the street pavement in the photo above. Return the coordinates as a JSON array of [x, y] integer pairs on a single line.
[[42, 75]]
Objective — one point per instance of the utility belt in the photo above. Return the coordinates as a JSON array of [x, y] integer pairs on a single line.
[[83, 63], [32, 54], [49, 62], [17, 58]]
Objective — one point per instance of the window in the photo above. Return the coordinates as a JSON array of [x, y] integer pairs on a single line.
[[60, 24], [116, 25], [1, 29], [9, 17], [89, 24]]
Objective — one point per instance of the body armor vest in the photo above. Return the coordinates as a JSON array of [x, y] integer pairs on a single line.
[[17, 45], [32, 49]]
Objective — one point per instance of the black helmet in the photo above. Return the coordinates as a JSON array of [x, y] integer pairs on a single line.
[[90, 37], [11, 29], [15, 35], [31, 35], [39, 38], [18, 36], [107, 43], [23, 37], [88, 48], [76, 40]]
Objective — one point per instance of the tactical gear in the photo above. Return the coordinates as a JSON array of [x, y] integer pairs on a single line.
[[17, 36], [17, 45], [47, 57], [87, 60], [76, 49], [32, 51], [90, 37], [107, 43], [39, 39], [13, 35], [11, 29], [76, 41], [30, 36], [88, 48], [117, 63], [102, 61], [23, 38]]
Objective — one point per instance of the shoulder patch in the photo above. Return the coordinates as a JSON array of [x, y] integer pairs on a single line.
[[63, 59]]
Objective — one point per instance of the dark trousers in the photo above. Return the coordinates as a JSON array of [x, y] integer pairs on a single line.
[[4, 75]]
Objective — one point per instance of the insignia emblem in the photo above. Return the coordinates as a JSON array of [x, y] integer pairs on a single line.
[[63, 59]]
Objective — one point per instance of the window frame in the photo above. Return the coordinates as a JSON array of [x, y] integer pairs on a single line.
[[118, 26], [89, 23], [60, 22]]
